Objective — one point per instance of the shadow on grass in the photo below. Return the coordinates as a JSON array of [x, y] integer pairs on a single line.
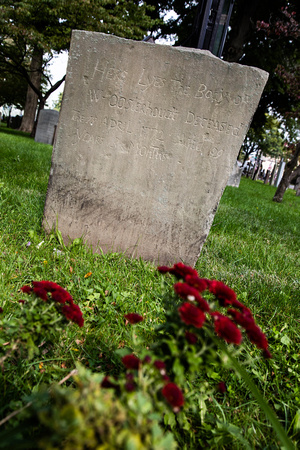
[[6, 130]]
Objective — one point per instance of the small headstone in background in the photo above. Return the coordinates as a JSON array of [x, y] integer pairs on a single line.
[[147, 139], [15, 122], [46, 126], [235, 177]]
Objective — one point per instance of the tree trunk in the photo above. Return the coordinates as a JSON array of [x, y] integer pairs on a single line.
[[297, 186], [287, 176], [32, 98], [273, 173]]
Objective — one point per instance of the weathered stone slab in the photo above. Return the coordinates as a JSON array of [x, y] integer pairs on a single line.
[[146, 142], [47, 122], [235, 177]]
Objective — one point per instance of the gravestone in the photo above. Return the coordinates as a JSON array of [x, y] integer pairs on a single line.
[[15, 122], [46, 126], [235, 177], [147, 138]]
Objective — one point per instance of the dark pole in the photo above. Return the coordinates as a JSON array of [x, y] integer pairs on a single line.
[[212, 21]]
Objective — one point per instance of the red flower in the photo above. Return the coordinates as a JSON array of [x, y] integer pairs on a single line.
[[41, 293], [26, 289], [49, 286], [129, 376], [131, 362], [191, 315], [226, 329], [73, 312], [163, 269], [133, 318], [106, 383], [222, 387], [201, 284], [243, 318], [147, 359], [160, 365], [173, 395], [130, 386], [257, 337], [202, 304], [180, 270], [22, 301], [267, 354], [188, 292], [191, 337], [224, 294], [60, 295]]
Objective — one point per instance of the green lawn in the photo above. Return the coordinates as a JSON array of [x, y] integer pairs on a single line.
[[253, 246]]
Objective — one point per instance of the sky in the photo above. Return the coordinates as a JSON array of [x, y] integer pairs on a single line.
[[58, 68]]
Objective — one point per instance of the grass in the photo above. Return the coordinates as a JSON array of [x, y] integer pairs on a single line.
[[253, 246]]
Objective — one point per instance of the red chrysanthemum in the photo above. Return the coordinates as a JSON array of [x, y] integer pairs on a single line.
[[160, 365], [188, 292], [201, 284], [267, 354], [26, 289], [226, 329], [180, 270], [131, 362], [173, 395], [163, 269], [48, 286], [107, 384], [202, 304], [191, 315], [130, 386], [224, 294], [222, 387], [72, 312], [191, 337], [41, 293], [243, 318], [185, 291], [257, 337], [133, 318], [60, 295]]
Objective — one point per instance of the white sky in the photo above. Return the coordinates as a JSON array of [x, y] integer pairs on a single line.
[[57, 68]]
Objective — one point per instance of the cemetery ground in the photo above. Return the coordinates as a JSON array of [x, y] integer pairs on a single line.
[[253, 247]]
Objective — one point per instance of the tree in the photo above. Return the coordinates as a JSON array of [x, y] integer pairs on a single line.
[[36, 30], [12, 90], [288, 175], [246, 43], [288, 71]]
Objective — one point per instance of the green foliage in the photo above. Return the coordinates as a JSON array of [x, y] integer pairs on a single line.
[[12, 90], [44, 27], [88, 416], [57, 104]]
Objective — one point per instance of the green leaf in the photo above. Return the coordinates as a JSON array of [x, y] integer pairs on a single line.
[[296, 427], [285, 340]]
